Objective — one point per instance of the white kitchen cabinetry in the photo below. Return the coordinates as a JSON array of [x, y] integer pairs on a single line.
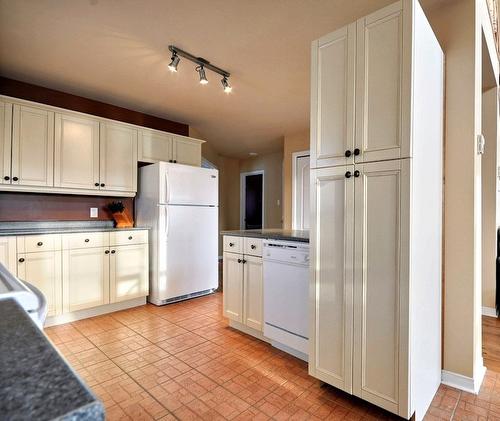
[[243, 282], [186, 150], [5, 141], [8, 253], [375, 326], [32, 146], [118, 157], [76, 152], [154, 146]]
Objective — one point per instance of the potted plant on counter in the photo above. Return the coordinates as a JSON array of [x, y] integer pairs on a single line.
[[121, 215]]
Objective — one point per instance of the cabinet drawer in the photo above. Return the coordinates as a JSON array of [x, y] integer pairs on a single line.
[[253, 246], [123, 238], [233, 244], [83, 240], [34, 243]]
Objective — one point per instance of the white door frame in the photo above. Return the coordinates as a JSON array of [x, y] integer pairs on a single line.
[[296, 155], [243, 175]]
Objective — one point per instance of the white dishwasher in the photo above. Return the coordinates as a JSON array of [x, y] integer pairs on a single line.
[[286, 295]]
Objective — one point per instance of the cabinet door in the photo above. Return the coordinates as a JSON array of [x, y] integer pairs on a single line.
[[8, 253], [381, 283], [186, 151], [129, 272], [5, 141], [252, 293], [43, 270], [232, 276], [332, 98], [85, 278], [118, 157], [32, 146], [380, 85], [332, 248], [154, 146], [76, 152]]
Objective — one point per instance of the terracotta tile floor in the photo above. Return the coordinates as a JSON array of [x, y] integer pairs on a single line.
[[184, 362]]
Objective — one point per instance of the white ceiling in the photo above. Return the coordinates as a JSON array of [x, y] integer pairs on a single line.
[[116, 51]]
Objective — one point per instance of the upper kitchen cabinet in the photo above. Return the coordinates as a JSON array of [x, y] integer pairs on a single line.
[[118, 157], [5, 141], [154, 146], [364, 87], [332, 98], [186, 150], [32, 146], [76, 152]]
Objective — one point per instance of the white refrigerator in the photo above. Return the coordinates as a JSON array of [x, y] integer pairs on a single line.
[[180, 204]]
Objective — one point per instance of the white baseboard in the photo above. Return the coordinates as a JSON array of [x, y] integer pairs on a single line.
[[489, 311], [467, 384]]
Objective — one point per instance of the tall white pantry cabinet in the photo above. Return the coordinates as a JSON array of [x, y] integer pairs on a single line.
[[376, 198]]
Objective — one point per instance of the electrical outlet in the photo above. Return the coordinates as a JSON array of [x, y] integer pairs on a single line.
[[94, 212]]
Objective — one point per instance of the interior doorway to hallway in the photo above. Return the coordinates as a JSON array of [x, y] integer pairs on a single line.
[[252, 200]]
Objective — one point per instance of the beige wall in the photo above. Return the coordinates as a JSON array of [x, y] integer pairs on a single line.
[[271, 164], [293, 143]]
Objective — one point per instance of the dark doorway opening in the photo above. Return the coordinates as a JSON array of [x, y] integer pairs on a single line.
[[254, 188]]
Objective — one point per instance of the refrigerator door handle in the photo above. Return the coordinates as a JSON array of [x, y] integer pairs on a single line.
[[167, 189], [166, 221]]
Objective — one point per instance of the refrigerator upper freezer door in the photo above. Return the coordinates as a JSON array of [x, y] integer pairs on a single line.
[[186, 185], [187, 251]]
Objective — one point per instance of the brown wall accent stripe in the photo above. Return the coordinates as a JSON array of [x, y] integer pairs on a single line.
[[27, 91]]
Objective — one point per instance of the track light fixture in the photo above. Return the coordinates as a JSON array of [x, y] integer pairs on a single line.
[[202, 65]]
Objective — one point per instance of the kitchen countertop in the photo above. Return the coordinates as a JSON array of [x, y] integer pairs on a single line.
[[35, 381], [59, 227], [272, 234]]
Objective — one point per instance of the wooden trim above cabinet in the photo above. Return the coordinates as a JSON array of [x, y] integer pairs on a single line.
[[40, 94]]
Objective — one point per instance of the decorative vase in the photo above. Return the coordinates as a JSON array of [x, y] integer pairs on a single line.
[[123, 219]]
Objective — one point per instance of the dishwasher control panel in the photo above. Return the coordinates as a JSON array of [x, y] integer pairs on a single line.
[[286, 251]]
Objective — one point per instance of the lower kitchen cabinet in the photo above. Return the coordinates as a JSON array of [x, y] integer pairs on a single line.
[[129, 270], [85, 278], [252, 292], [43, 270], [233, 286], [8, 253]]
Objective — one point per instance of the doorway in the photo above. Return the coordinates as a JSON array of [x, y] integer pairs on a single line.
[[252, 200], [301, 168]]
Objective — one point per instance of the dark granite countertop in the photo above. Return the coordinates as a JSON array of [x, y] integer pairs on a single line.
[[272, 234], [35, 381], [59, 227]]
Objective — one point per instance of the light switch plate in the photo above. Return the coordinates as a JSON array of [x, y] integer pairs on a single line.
[[480, 144], [94, 212]]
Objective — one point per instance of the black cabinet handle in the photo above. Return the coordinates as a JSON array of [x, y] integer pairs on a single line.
[[113, 251], [231, 244], [348, 174], [96, 184], [102, 184], [243, 261], [253, 247], [175, 161], [357, 151], [348, 153], [356, 173], [21, 260], [39, 244], [239, 260], [106, 252], [15, 178], [170, 160], [130, 237], [87, 240], [6, 178]]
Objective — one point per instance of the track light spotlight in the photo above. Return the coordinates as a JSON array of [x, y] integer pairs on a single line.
[[203, 77], [174, 63], [225, 84]]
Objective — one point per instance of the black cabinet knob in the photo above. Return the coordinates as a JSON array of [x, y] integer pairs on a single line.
[[239, 260], [348, 153], [6, 178], [243, 261], [170, 160], [21, 260], [106, 252], [348, 174], [96, 184], [113, 251], [231, 244], [130, 237], [175, 161], [87, 240], [15, 178], [253, 247], [39, 244], [102, 184], [356, 173], [357, 151]]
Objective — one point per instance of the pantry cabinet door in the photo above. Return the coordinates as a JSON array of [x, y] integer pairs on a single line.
[[379, 90], [253, 289], [43, 270], [118, 157], [332, 98], [187, 151], [129, 272], [85, 278], [381, 283], [76, 152], [232, 297], [5, 141], [8, 253], [32, 146], [154, 146], [331, 290]]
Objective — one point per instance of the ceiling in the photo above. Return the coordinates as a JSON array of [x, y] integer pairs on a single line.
[[116, 51]]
